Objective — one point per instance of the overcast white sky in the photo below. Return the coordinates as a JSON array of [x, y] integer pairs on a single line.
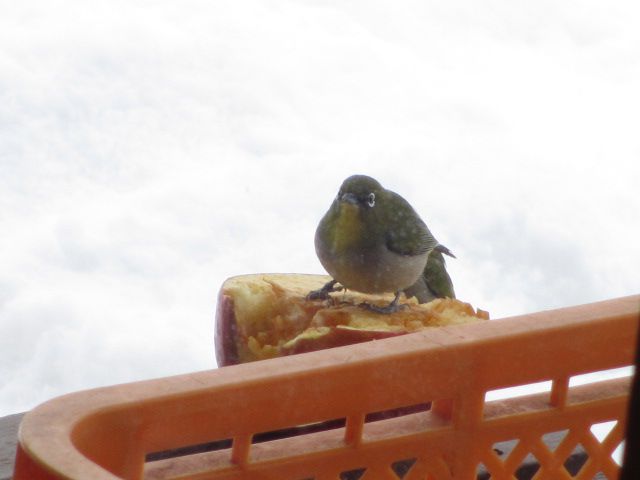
[[149, 150]]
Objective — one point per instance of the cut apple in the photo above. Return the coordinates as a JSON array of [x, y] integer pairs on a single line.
[[267, 315]]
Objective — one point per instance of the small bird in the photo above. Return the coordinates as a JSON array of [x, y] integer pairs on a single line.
[[371, 240]]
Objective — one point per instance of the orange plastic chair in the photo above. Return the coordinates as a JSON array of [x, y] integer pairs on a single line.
[[107, 433]]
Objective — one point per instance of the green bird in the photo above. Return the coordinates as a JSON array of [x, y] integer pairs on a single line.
[[371, 240]]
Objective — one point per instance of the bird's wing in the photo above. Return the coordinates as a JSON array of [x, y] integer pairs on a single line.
[[436, 276], [407, 233]]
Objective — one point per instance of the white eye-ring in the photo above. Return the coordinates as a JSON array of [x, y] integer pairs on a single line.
[[371, 199]]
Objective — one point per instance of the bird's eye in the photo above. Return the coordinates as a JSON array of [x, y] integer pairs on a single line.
[[371, 199]]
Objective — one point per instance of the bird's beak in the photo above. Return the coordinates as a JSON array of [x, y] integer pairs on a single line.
[[349, 198]]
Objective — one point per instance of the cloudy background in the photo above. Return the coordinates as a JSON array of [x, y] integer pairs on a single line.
[[149, 150]]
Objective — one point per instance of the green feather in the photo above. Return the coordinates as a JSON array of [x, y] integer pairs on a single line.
[[434, 283], [406, 233]]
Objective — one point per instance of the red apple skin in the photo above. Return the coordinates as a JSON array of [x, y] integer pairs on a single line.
[[225, 333]]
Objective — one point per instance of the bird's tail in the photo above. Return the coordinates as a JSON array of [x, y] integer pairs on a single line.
[[442, 249]]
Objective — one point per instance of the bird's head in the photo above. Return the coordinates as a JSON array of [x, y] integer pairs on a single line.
[[359, 192], [351, 218]]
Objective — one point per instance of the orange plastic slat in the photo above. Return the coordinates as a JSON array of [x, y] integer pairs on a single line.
[[106, 433]]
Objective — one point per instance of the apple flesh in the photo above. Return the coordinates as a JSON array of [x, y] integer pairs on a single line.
[[267, 315]]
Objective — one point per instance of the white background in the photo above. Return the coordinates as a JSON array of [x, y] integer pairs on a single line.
[[149, 150]]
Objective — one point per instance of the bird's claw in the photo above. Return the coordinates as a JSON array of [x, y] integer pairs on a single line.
[[394, 306], [391, 308], [323, 293], [319, 294]]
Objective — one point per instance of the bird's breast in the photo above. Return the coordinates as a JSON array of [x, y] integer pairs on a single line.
[[348, 232]]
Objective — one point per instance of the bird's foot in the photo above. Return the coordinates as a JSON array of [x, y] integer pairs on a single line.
[[391, 308], [323, 293]]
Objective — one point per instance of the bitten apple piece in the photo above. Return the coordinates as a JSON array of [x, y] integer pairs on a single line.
[[267, 315]]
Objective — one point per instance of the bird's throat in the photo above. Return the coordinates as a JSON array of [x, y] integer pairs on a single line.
[[349, 228]]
